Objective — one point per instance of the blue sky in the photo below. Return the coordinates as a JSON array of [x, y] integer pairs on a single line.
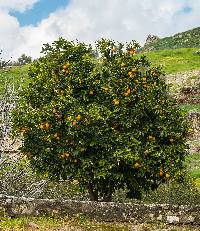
[[39, 11], [187, 9]]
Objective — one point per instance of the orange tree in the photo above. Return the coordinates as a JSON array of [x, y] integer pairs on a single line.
[[100, 117]]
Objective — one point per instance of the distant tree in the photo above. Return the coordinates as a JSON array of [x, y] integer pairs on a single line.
[[3, 63], [24, 59]]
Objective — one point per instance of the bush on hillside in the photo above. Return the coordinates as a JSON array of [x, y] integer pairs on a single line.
[[18, 179], [197, 52], [100, 118]]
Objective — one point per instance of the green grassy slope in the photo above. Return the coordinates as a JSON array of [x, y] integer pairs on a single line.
[[190, 38], [177, 60], [15, 75], [193, 162], [190, 107]]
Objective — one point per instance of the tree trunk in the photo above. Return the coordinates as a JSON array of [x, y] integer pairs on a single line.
[[107, 197], [92, 193]]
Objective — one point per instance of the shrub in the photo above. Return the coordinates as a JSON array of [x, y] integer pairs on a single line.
[[101, 118], [184, 192], [197, 52], [18, 179], [178, 193]]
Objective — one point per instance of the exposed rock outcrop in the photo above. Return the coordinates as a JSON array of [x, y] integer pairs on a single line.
[[151, 39]]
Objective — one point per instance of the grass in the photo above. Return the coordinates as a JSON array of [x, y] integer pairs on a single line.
[[190, 107], [81, 223], [193, 163], [175, 60], [14, 75], [193, 166]]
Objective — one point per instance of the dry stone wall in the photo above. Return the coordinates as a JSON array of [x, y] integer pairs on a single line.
[[194, 118], [103, 211]]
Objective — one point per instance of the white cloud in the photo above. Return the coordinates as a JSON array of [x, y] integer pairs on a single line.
[[89, 20], [17, 5]]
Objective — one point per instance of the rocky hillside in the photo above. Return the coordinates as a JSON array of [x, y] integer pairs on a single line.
[[190, 38]]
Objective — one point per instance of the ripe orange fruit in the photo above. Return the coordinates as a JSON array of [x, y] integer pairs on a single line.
[[65, 155], [45, 138], [23, 130], [132, 51], [167, 175], [91, 92], [154, 73], [115, 102], [67, 72], [133, 72], [74, 122], [66, 66], [161, 172], [42, 126], [47, 125], [130, 73], [152, 138], [56, 136], [137, 165], [75, 182], [68, 117], [78, 117], [128, 92], [106, 89]]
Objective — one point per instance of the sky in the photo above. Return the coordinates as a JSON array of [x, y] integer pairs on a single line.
[[28, 24]]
